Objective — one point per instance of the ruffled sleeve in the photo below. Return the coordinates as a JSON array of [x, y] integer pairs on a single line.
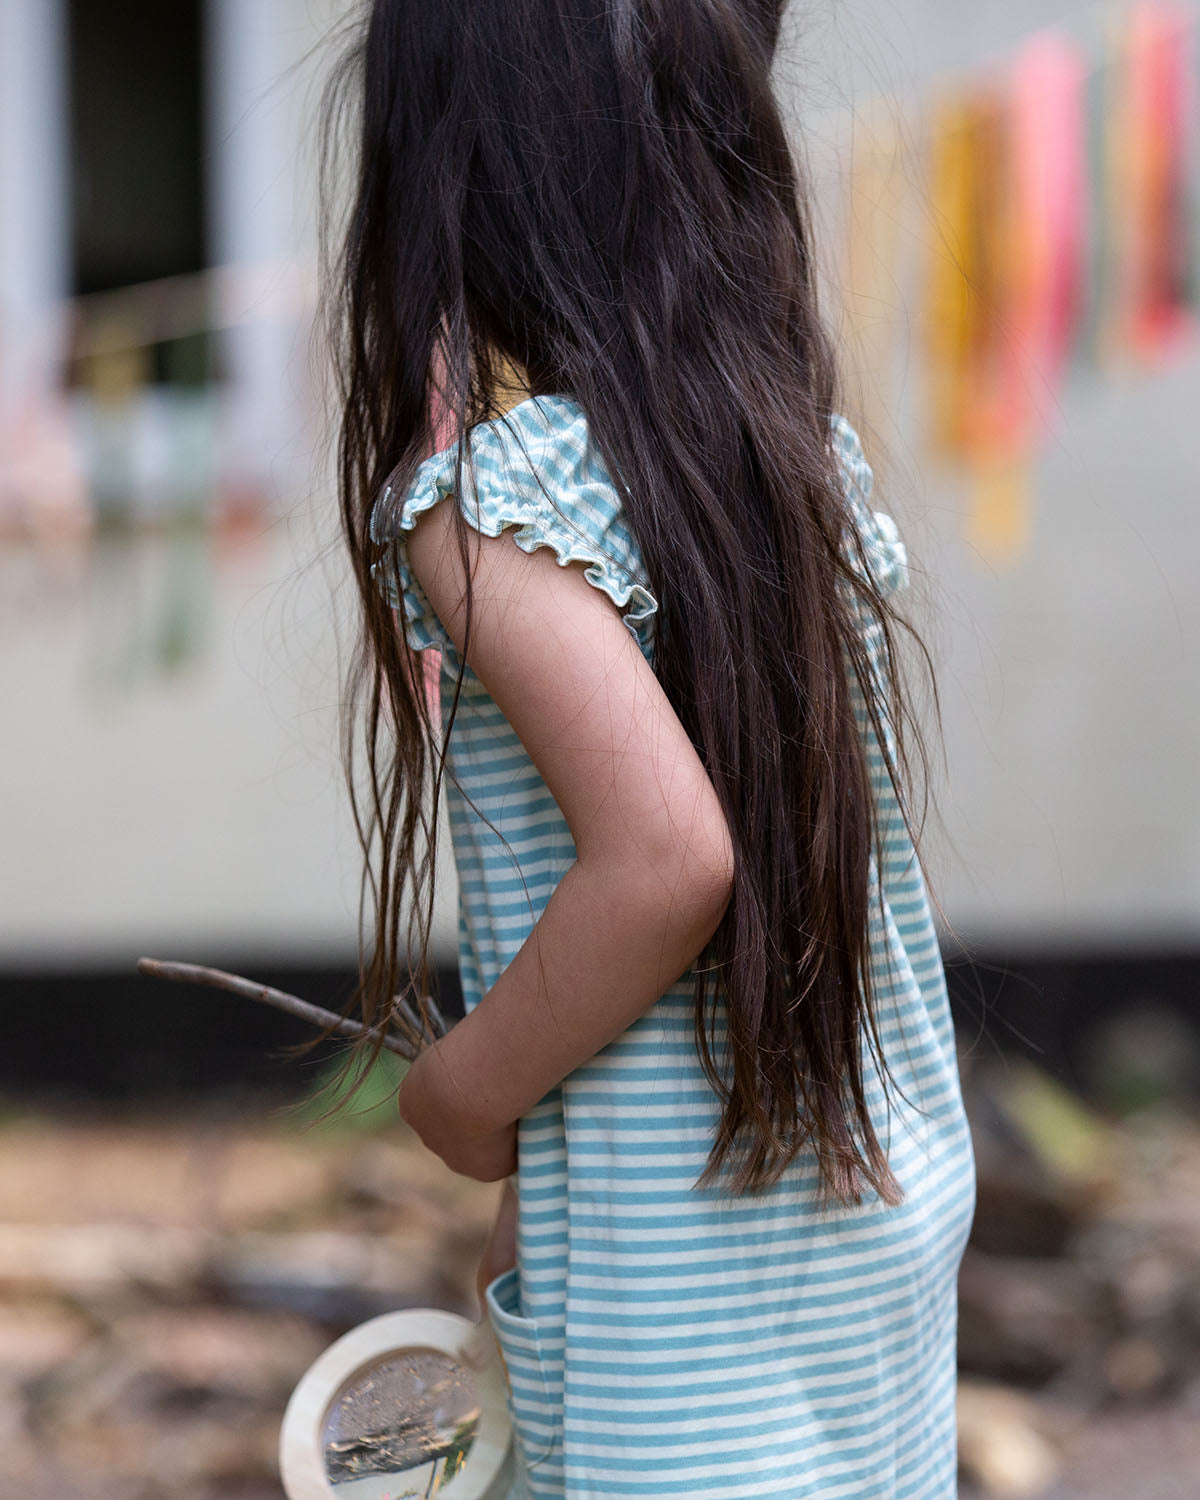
[[886, 553], [535, 471]]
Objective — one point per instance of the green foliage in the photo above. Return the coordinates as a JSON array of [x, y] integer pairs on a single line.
[[355, 1101]]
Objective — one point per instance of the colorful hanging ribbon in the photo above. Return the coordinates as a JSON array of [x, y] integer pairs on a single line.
[[1009, 190], [1160, 114], [957, 294]]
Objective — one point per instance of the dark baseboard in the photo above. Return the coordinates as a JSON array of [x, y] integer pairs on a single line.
[[1064, 1011], [122, 1038], [102, 1036]]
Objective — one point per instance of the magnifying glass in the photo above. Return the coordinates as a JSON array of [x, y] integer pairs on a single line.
[[405, 1407]]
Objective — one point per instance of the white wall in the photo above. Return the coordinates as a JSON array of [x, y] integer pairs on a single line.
[[194, 813]]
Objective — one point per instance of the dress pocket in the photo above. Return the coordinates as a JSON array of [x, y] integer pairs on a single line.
[[536, 1414]]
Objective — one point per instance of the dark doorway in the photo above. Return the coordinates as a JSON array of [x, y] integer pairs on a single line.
[[137, 140]]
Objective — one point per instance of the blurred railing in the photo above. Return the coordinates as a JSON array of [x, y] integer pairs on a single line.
[[142, 420]]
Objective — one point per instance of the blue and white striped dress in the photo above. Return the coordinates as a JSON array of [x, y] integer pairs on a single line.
[[664, 1341]]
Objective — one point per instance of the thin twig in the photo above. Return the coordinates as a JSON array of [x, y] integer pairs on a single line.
[[436, 1018], [316, 1015]]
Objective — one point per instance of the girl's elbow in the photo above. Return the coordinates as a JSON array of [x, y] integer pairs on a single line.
[[684, 866], [712, 877], [715, 892], [702, 870], [718, 857]]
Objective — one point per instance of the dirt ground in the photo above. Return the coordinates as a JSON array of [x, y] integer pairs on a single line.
[[165, 1281]]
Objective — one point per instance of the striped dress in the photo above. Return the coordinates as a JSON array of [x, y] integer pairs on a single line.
[[662, 1340]]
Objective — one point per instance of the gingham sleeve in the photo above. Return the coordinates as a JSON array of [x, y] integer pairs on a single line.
[[886, 553], [536, 473]]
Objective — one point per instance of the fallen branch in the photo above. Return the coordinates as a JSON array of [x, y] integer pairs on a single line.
[[416, 1033]]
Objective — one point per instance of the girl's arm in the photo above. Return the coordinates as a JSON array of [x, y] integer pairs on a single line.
[[653, 869]]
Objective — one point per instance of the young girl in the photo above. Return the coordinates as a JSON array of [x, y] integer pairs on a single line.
[[706, 1036]]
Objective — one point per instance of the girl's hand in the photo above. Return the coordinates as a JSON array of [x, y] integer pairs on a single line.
[[500, 1253], [438, 1115]]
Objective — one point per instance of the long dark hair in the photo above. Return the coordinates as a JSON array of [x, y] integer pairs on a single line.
[[601, 194]]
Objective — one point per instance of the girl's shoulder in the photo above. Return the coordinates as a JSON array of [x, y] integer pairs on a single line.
[[535, 470], [541, 437]]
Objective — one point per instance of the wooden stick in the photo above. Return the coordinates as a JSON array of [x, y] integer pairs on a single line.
[[435, 1014], [316, 1015], [410, 1016]]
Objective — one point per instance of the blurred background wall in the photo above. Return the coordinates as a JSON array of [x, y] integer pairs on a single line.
[[169, 545], [168, 650], [1065, 617]]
